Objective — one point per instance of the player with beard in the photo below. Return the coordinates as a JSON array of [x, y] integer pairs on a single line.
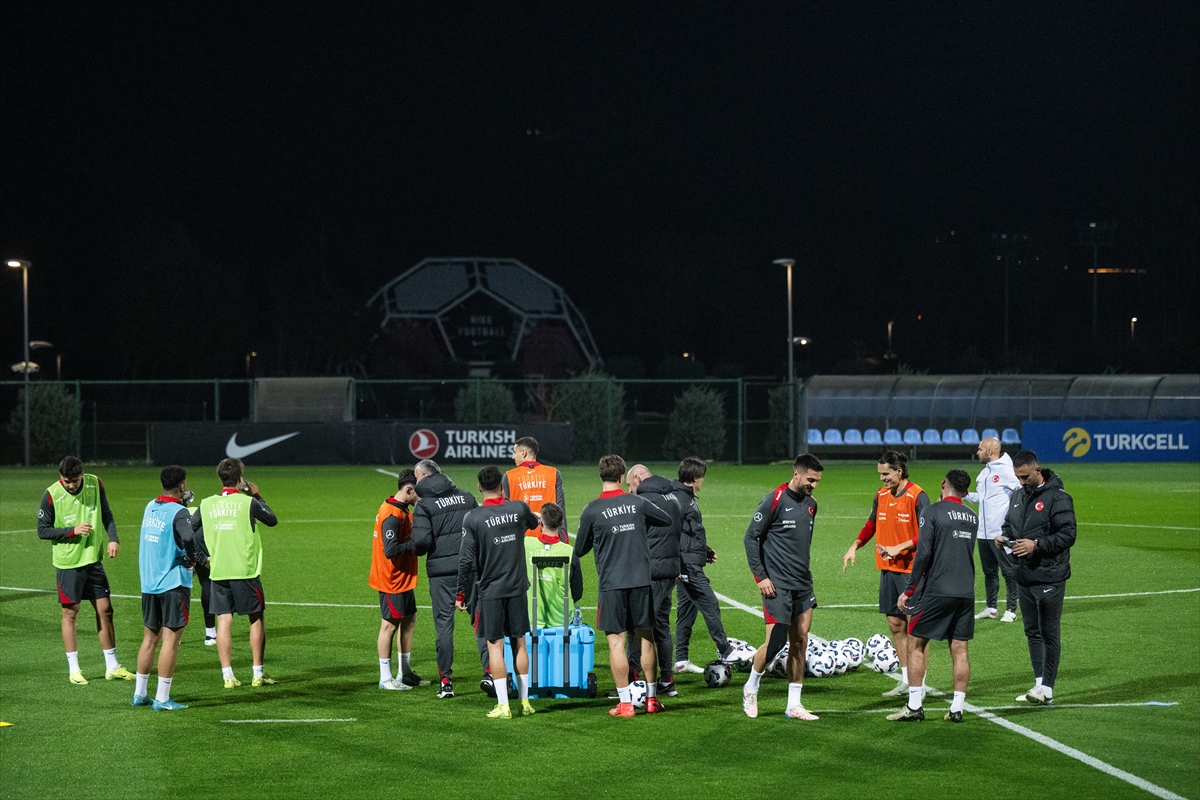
[[778, 544]]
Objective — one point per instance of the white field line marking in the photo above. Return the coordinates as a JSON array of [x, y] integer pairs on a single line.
[[748, 609], [1003, 708], [197, 599], [385, 472], [1066, 750], [248, 721], [23, 530]]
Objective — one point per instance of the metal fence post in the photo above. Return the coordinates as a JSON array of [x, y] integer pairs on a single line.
[[353, 401], [741, 419], [216, 401], [79, 415], [608, 413], [802, 408], [478, 403]]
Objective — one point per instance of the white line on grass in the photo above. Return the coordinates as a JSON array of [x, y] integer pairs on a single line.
[[23, 530], [385, 472], [1004, 708], [247, 721]]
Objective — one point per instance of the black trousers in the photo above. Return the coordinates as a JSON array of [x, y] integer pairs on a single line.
[[661, 590], [202, 573], [995, 560], [1041, 611], [696, 594], [442, 594]]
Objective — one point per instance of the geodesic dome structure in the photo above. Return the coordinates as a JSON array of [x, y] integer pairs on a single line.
[[484, 310]]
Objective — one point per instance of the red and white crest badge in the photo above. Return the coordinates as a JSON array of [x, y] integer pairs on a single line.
[[995, 479], [1040, 505]]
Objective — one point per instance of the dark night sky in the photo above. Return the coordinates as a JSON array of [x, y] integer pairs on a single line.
[[193, 181]]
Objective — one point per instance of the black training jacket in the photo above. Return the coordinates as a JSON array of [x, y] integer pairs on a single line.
[[1046, 515], [437, 523], [664, 539]]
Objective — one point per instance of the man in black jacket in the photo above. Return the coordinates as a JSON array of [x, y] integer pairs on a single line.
[[1040, 528], [664, 571], [437, 534], [695, 592]]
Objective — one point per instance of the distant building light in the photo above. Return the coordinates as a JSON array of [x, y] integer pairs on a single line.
[[1115, 271]]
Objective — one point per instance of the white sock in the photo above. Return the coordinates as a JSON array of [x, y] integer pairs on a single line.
[[501, 690], [110, 659], [904, 675], [226, 672], [164, 689], [258, 670], [754, 679], [1047, 691], [960, 700], [404, 665], [385, 670], [915, 695], [794, 690], [1037, 681], [523, 686], [73, 662], [141, 685], [210, 633], [651, 689], [623, 694]]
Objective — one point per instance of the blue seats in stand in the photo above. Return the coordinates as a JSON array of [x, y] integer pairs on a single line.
[[1010, 436], [969, 436], [912, 436], [892, 436], [814, 436], [833, 436], [853, 436], [931, 436], [950, 436], [871, 436], [990, 433]]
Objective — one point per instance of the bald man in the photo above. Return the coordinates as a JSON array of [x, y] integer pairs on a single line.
[[664, 570], [993, 487]]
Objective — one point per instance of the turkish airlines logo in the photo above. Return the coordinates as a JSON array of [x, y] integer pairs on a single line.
[[1077, 442], [423, 443]]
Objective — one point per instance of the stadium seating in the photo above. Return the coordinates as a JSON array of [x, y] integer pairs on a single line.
[[872, 437], [912, 436], [814, 436], [931, 436], [892, 436], [970, 436], [833, 436], [853, 436], [950, 436], [990, 433], [1010, 436]]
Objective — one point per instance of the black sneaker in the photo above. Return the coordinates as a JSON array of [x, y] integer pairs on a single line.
[[447, 690], [488, 686], [413, 679], [953, 716], [667, 689], [906, 714], [613, 694]]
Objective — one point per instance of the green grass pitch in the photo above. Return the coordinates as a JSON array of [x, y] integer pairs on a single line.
[[1139, 533]]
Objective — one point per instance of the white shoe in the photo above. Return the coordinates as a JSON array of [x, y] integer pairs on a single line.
[[1024, 698], [688, 666], [1037, 696], [1009, 616], [987, 613], [901, 690]]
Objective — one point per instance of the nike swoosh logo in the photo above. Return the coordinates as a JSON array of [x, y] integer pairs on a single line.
[[235, 450]]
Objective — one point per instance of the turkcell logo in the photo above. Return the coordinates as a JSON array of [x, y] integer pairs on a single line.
[[1113, 440]]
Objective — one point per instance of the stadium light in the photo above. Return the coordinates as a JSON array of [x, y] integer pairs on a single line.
[[803, 341], [1132, 328], [16, 263], [791, 426]]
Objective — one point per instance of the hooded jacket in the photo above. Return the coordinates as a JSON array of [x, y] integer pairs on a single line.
[[664, 540], [437, 523], [993, 488], [693, 539], [1046, 515]]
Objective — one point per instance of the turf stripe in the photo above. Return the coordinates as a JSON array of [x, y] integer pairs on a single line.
[[247, 721]]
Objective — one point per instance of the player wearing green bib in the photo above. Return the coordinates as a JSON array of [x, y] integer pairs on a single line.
[[78, 505], [226, 527], [550, 590]]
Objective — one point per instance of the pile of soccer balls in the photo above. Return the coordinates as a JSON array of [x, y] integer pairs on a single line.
[[883, 654], [827, 657]]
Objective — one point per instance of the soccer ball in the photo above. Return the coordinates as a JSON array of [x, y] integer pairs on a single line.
[[840, 662], [886, 661], [823, 665], [741, 655], [717, 674], [637, 694], [877, 643], [854, 655], [778, 665]]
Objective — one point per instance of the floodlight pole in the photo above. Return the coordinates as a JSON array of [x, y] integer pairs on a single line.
[[24, 267], [791, 361]]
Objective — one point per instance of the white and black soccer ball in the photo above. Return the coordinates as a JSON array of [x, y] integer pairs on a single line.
[[823, 665], [886, 661], [637, 694], [717, 674], [877, 643], [854, 655], [840, 662]]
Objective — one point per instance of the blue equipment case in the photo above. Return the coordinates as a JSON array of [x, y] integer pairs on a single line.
[[550, 674]]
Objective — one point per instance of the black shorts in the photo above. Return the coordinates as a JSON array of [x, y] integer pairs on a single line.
[[891, 585], [943, 618], [787, 605], [82, 583], [166, 610], [503, 618], [238, 596], [395, 607], [626, 610]]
